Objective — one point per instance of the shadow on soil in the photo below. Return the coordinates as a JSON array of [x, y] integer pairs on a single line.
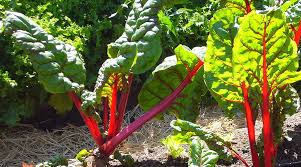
[[289, 153]]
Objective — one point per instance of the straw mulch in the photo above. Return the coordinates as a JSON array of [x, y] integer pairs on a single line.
[[26, 143]]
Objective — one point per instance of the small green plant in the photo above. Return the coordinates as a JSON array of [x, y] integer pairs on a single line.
[[205, 147], [82, 155]]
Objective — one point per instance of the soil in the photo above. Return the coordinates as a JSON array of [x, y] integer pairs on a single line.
[[289, 152], [26, 143]]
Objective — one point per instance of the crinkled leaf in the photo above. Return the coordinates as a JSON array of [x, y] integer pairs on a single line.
[[60, 102], [201, 155], [214, 142], [59, 66], [168, 76], [139, 47], [218, 61], [281, 52], [88, 100]]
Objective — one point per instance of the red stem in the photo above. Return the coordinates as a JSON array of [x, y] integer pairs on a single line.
[[113, 109], [109, 146], [90, 122], [250, 125], [105, 113], [268, 146], [248, 7], [235, 154], [123, 103], [298, 34]]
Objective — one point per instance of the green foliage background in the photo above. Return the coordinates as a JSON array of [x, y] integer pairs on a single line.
[[89, 26], [83, 24]]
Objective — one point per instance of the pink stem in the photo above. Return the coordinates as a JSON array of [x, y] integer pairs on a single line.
[[109, 146], [235, 154]]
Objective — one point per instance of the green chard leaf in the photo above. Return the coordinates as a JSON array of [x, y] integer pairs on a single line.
[[59, 66], [235, 56], [201, 155], [174, 143], [237, 5], [218, 60], [260, 36], [214, 142], [61, 103], [139, 47], [168, 76]]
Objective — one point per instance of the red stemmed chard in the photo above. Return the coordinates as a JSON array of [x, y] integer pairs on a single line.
[[250, 63], [61, 70]]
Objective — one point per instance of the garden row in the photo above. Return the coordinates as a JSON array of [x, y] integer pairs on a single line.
[[249, 65]]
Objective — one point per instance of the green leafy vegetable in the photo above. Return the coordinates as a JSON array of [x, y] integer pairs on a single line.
[[173, 144], [265, 34], [214, 142], [139, 43], [218, 60], [139, 47], [250, 60], [200, 155], [61, 103], [59, 66], [168, 75]]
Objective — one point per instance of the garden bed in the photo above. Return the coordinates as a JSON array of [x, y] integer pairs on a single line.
[[26, 143]]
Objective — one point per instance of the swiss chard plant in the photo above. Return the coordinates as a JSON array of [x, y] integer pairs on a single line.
[[250, 64], [61, 70]]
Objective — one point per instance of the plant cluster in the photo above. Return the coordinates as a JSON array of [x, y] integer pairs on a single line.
[[61, 69], [249, 64], [88, 26]]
